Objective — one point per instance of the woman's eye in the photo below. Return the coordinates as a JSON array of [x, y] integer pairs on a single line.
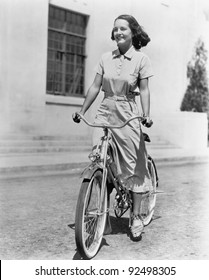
[[119, 29]]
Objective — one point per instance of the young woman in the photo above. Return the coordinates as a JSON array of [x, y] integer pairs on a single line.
[[119, 74]]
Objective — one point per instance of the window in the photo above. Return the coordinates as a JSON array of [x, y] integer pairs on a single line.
[[66, 52]]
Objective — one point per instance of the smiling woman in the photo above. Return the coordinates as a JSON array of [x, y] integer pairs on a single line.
[[120, 74]]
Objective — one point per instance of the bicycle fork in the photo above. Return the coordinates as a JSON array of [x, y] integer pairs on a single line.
[[104, 173], [108, 228]]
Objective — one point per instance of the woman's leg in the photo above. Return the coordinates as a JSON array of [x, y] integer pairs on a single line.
[[136, 224], [136, 198]]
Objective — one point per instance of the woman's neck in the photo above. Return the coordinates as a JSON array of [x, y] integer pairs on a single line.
[[124, 49]]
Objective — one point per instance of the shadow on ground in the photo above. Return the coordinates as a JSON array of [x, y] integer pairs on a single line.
[[118, 226]]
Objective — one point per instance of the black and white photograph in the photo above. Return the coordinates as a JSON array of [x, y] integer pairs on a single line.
[[104, 139]]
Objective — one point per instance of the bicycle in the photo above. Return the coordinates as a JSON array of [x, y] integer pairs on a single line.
[[99, 178]]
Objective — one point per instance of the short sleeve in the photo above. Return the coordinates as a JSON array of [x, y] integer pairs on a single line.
[[100, 67], [145, 70]]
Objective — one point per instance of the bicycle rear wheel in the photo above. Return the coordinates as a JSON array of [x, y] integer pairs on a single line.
[[90, 217], [149, 199]]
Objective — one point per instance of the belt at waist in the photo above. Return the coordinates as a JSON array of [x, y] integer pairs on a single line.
[[128, 97]]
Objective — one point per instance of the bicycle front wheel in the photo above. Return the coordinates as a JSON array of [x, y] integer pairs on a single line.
[[149, 199], [91, 215]]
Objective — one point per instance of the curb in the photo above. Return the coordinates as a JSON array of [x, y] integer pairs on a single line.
[[42, 170], [75, 168]]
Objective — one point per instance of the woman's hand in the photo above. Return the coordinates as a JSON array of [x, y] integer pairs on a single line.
[[76, 117], [147, 122]]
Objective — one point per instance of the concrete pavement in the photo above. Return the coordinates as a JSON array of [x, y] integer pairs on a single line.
[[37, 219]]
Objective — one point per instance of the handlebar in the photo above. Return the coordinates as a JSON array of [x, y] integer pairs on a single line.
[[110, 126]]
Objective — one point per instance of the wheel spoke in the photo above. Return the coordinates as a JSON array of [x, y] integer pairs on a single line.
[[91, 233], [91, 227]]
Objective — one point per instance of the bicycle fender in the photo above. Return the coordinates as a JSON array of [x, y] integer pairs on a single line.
[[157, 178], [89, 170]]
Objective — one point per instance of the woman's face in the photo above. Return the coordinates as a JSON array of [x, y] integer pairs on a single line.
[[122, 33]]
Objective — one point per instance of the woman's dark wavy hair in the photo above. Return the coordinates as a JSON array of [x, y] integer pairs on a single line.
[[140, 37]]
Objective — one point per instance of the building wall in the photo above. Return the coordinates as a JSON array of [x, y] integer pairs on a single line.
[[24, 64], [25, 108]]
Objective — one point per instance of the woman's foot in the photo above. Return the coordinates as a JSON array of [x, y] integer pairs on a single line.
[[136, 228]]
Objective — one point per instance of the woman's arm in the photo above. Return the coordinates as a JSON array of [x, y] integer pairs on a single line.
[[92, 93], [145, 100], [145, 97]]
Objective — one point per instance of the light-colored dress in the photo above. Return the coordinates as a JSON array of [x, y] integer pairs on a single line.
[[120, 74]]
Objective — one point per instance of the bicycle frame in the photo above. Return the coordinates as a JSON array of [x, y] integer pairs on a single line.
[[106, 138]]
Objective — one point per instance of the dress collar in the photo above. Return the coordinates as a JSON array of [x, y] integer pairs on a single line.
[[128, 54]]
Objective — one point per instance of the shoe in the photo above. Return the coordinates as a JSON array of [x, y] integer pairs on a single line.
[[136, 228]]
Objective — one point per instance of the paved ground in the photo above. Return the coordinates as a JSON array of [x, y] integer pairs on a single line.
[[37, 219]]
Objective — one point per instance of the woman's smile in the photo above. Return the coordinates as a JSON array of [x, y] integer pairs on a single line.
[[119, 38]]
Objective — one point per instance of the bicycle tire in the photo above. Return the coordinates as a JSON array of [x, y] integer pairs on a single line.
[[149, 199], [89, 220]]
